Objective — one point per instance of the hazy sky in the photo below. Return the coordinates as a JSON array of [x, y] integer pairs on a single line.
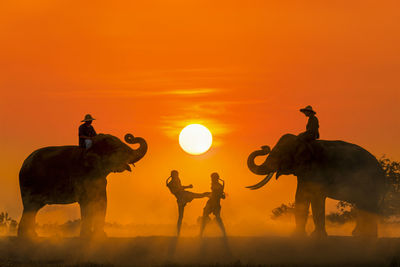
[[242, 68]]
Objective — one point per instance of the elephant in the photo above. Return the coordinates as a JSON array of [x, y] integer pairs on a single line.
[[324, 168], [69, 174]]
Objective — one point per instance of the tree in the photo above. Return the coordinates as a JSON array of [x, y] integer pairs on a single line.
[[391, 203], [282, 210]]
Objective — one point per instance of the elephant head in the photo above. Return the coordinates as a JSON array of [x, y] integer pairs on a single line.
[[109, 154], [288, 156]]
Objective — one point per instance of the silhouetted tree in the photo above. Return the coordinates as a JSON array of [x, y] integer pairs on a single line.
[[391, 204], [346, 212], [282, 210], [7, 224]]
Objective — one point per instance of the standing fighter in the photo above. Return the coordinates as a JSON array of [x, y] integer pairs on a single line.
[[213, 204], [182, 196]]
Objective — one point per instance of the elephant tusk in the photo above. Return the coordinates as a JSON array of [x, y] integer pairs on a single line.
[[262, 183]]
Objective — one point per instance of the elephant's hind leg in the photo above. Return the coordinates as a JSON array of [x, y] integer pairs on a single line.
[[26, 227], [366, 224], [302, 206]]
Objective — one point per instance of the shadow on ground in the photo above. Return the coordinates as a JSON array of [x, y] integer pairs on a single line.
[[167, 251]]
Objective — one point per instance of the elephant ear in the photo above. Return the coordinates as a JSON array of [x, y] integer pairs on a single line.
[[92, 162], [303, 155]]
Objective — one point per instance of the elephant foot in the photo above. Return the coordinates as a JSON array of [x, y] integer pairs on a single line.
[[319, 234], [99, 235], [86, 234], [299, 234], [356, 232], [27, 234], [366, 231]]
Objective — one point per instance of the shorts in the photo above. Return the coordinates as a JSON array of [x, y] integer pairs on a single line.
[[88, 143], [212, 206]]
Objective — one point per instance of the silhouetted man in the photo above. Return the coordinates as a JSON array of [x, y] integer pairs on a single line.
[[182, 196], [312, 127], [213, 204], [86, 132]]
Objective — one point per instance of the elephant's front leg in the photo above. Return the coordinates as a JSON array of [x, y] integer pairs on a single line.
[[302, 205], [93, 203], [318, 212], [99, 206], [86, 219]]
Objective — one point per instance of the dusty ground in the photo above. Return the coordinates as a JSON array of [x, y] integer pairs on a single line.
[[239, 251]]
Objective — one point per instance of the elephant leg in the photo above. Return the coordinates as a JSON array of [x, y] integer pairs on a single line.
[[181, 209], [302, 205], [99, 210], [26, 227], [93, 204], [86, 220], [366, 224], [318, 212], [99, 218]]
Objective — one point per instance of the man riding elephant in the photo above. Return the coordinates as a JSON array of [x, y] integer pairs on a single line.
[[312, 127], [64, 175], [86, 132]]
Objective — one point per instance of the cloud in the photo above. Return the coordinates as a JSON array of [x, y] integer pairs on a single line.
[[134, 93]]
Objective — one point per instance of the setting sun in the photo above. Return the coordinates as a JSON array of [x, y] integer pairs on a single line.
[[195, 139]]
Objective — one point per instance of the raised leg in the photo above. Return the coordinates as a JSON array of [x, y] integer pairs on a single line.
[[302, 205], [199, 195], [26, 227], [318, 212]]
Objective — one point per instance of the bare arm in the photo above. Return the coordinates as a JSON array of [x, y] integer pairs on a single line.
[[85, 137], [187, 186], [223, 183]]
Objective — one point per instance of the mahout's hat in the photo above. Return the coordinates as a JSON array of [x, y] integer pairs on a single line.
[[308, 108], [88, 117]]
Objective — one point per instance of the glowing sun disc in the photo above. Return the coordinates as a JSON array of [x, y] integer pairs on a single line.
[[195, 139]]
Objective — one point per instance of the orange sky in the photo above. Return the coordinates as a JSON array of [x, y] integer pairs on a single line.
[[242, 68]]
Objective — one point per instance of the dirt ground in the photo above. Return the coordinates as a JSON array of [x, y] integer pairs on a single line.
[[192, 251]]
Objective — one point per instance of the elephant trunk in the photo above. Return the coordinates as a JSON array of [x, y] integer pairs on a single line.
[[141, 151], [261, 169]]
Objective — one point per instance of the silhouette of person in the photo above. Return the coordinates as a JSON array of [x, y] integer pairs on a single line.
[[182, 196], [86, 132], [213, 205], [312, 127]]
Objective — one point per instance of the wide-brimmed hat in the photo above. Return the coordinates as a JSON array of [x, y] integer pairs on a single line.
[[88, 117], [308, 108]]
